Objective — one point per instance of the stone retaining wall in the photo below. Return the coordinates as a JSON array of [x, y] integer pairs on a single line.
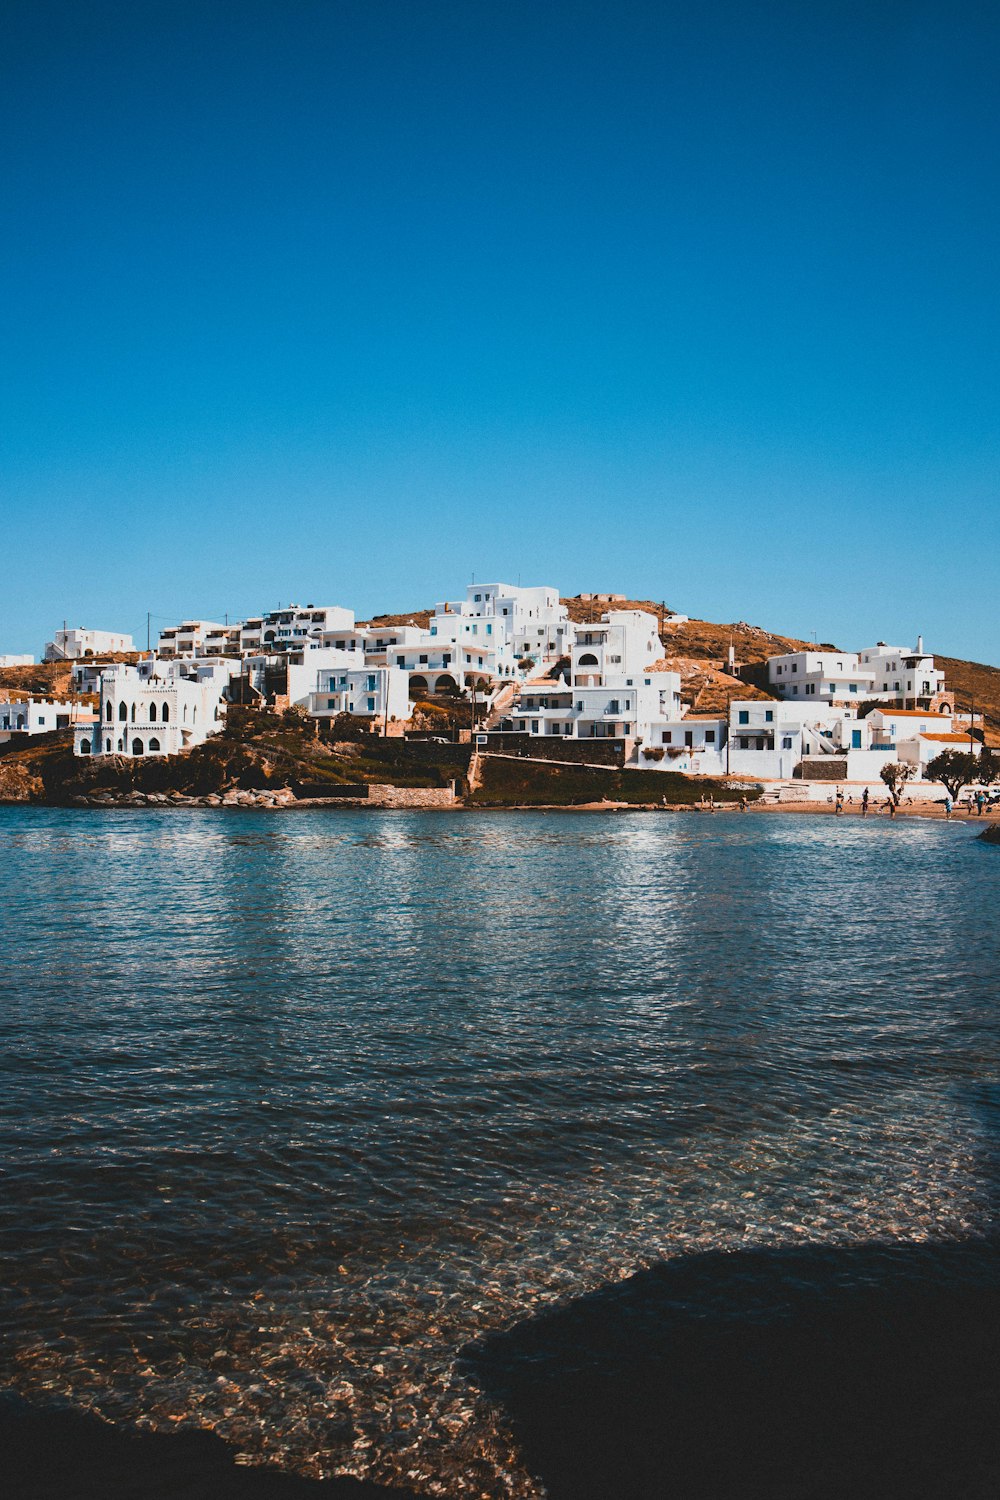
[[411, 796]]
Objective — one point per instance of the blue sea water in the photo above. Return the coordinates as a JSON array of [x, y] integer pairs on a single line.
[[294, 1105]]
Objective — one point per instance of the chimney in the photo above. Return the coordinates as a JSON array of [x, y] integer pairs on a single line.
[[920, 645]]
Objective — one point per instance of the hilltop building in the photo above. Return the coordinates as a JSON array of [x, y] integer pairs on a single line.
[[74, 645]]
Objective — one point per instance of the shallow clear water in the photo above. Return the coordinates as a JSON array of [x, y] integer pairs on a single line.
[[294, 1105]]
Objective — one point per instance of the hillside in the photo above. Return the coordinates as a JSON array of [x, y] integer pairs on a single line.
[[697, 649]]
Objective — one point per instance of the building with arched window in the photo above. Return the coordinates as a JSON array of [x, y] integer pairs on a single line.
[[157, 707]]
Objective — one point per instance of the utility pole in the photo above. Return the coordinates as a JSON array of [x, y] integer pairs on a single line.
[[148, 618]]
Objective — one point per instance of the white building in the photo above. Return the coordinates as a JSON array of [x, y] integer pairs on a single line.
[[157, 708], [8, 659], [270, 634], [888, 673], [903, 674], [612, 690], [190, 639], [29, 715], [371, 692], [73, 645], [823, 676]]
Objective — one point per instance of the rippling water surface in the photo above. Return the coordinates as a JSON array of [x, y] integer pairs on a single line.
[[295, 1105]]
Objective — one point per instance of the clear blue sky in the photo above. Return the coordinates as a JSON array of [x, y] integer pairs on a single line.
[[347, 301]]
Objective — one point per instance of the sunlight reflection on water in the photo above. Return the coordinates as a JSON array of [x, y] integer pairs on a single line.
[[298, 1105]]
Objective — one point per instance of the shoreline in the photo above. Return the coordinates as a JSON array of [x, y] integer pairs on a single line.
[[920, 811]]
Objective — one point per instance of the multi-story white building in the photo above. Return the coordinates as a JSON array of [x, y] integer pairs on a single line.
[[888, 673], [371, 692], [613, 690], [272, 634], [823, 676], [73, 645], [907, 676], [157, 708], [190, 639]]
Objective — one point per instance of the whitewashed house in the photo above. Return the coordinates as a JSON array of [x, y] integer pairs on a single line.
[[75, 644], [189, 639], [822, 676], [157, 708], [9, 659], [379, 693], [29, 715], [612, 690], [905, 675]]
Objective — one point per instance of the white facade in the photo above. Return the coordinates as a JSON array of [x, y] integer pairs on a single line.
[[10, 660], [907, 674], [881, 671], [73, 645], [823, 676], [190, 639], [30, 715], [611, 692], [270, 634], [622, 645], [157, 708], [372, 692]]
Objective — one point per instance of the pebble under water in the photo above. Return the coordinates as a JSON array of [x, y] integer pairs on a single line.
[[295, 1106]]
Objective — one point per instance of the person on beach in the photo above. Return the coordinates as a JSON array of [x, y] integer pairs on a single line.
[[838, 805], [864, 803], [891, 806], [743, 804], [980, 803], [948, 804]]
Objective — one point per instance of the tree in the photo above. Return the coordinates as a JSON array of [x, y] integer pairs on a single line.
[[988, 767], [954, 769], [895, 776]]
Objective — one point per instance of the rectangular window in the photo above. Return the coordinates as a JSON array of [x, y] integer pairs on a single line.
[[786, 743], [769, 716], [709, 736], [667, 736], [613, 706], [744, 716], [855, 739], [688, 737], [371, 683], [795, 666], [371, 705], [853, 687], [423, 661]]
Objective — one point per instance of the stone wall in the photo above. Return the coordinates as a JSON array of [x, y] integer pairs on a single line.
[[603, 752], [824, 768], [411, 796]]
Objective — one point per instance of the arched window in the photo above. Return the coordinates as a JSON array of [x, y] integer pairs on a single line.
[[137, 747], [123, 711], [154, 746], [588, 659], [107, 746], [185, 712], [109, 712], [133, 713], [121, 746], [20, 721], [194, 714], [152, 713], [84, 747], [165, 716]]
